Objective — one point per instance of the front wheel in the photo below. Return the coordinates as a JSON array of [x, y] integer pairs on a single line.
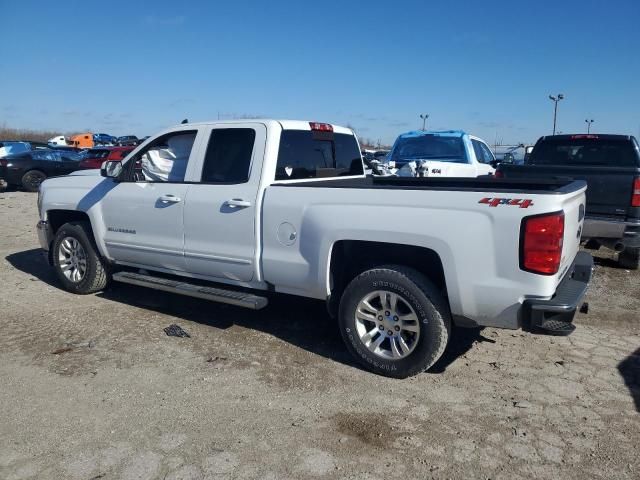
[[394, 321], [629, 258], [76, 259]]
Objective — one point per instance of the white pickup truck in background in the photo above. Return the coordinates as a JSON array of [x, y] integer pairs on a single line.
[[449, 153], [237, 211]]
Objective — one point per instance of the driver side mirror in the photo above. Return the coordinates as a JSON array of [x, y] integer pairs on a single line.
[[111, 169]]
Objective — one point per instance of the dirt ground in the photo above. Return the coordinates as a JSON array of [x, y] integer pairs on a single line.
[[274, 395]]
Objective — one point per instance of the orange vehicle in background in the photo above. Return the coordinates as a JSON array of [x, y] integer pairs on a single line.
[[82, 140]]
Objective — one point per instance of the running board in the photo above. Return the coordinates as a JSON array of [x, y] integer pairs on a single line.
[[231, 297]]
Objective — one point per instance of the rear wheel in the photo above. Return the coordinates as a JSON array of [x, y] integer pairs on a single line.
[[394, 321], [76, 259], [629, 258], [32, 179]]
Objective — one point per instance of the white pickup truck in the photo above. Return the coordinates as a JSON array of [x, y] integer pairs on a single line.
[[237, 211], [449, 153]]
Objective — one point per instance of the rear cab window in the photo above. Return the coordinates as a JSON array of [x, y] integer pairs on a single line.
[[586, 151], [317, 154]]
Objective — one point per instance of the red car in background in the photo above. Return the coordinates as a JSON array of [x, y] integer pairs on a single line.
[[95, 156]]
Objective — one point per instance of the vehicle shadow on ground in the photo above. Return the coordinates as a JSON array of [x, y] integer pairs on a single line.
[[607, 262], [34, 263], [299, 321], [629, 368]]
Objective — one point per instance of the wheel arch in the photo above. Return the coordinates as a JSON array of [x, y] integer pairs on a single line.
[[56, 218], [349, 258]]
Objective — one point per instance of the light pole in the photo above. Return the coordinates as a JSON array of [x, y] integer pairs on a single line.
[[589, 122], [555, 100], [424, 120]]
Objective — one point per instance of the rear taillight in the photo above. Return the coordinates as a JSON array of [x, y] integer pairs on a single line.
[[499, 174], [3, 163], [635, 197], [541, 243]]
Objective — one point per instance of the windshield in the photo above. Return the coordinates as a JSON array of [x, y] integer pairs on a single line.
[[429, 147]]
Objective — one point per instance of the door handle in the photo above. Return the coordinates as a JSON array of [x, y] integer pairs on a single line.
[[238, 202], [168, 198]]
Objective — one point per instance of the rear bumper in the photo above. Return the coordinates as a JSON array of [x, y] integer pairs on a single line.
[[628, 232], [556, 314]]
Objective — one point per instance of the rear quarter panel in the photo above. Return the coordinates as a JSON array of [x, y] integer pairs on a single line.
[[477, 244]]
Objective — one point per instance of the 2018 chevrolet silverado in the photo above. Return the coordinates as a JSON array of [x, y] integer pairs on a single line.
[[610, 164], [236, 211]]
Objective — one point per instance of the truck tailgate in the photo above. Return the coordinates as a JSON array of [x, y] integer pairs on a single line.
[[573, 206], [609, 191]]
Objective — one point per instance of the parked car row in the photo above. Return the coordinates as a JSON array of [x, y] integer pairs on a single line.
[[89, 140]]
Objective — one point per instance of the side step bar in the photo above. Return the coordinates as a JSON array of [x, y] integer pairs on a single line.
[[232, 297]]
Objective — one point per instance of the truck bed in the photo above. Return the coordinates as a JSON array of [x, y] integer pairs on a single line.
[[480, 184]]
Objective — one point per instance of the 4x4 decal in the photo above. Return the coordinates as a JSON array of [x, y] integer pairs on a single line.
[[494, 202]]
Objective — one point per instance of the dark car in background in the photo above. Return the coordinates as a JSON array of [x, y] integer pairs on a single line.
[[94, 157], [30, 168], [127, 140], [610, 164]]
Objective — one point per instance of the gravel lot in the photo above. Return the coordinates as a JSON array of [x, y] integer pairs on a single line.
[[274, 395]]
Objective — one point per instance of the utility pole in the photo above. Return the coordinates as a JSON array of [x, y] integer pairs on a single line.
[[424, 120], [555, 100], [589, 122]]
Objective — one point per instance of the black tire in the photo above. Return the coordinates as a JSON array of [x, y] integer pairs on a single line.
[[96, 276], [421, 295], [629, 258], [32, 179]]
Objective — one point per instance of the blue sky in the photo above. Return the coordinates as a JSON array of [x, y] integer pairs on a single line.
[[485, 67]]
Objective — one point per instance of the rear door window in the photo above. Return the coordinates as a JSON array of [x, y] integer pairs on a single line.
[[312, 154], [228, 157], [585, 152]]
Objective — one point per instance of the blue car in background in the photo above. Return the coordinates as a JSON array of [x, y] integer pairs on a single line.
[[104, 139]]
